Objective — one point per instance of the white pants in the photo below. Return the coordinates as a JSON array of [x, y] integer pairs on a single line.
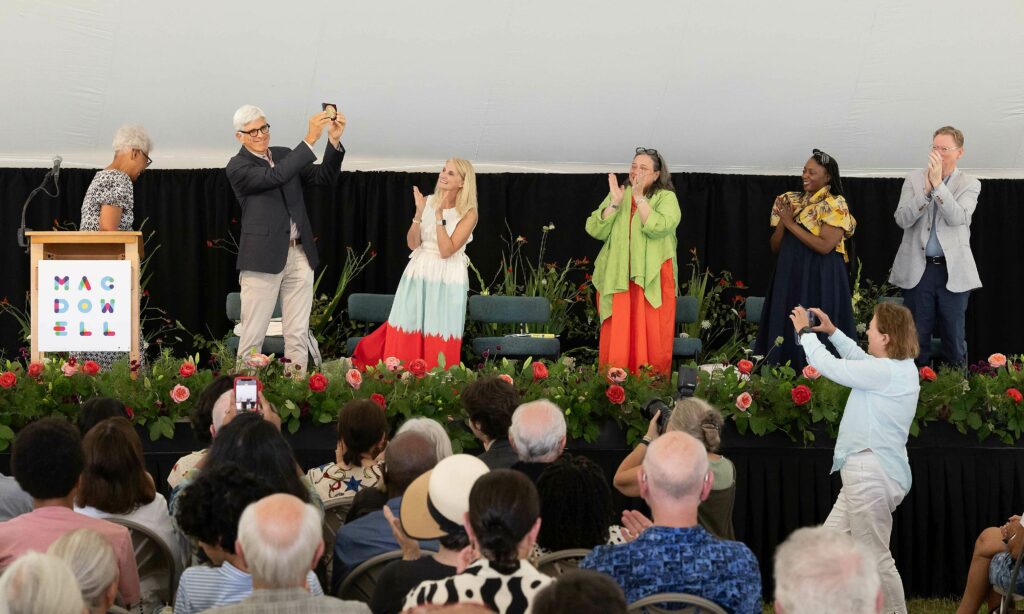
[[864, 510], [259, 296]]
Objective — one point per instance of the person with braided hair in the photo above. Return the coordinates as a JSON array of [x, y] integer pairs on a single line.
[[502, 524]]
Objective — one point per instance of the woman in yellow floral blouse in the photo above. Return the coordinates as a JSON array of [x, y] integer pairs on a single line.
[[809, 240]]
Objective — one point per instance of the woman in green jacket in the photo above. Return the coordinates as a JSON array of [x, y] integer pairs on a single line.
[[635, 273]]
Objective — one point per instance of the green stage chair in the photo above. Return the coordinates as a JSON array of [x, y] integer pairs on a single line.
[[754, 305], [233, 308], [686, 313], [370, 310], [513, 310]]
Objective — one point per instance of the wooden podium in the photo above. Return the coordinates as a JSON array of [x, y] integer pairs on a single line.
[[60, 245]]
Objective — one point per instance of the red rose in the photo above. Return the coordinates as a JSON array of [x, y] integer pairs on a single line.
[[379, 399], [418, 367], [539, 371], [745, 367], [8, 379], [801, 394], [318, 382], [505, 377], [35, 369], [740, 284], [187, 369], [616, 394], [927, 374], [90, 367], [129, 412], [1013, 393]]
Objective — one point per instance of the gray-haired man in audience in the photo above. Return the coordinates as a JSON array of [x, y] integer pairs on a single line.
[[822, 570], [280, 539], [538, 436]]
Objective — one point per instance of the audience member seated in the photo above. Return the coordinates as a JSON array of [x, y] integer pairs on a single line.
[[489, 403], [39, 583], [13, 500], [47, 460], [581, 590], [991, 564], [674, 554], [279, 541], [208, 511], [818, 569], [202, 426], [502, 524], [434, 507], [576, 505], [406, 458], [537, 434], [366, 501], [258, 445], [92, 561], [98, 409], [362, 435], [115, 484], [432, 430], [701, 420]]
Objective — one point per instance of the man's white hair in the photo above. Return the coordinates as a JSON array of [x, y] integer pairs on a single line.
[[247, 113], [818, 569], [279, 535], [538, 439], [130, 137], [37, 583], [676, 464], [432, 430], [92, 560]]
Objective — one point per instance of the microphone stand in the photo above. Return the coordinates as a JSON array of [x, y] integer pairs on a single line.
[[22, 239]]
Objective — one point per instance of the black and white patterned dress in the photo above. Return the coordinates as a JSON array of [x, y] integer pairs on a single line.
[[114, 188]]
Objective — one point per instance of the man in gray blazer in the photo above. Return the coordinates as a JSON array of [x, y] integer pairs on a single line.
[[934, 265], [276, 250]]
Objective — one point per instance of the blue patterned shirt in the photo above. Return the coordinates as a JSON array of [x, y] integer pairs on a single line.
[[691, 560]]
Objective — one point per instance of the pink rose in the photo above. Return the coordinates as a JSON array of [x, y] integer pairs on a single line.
[[507, 379], [617, 375], [257, 361], [69, 368], [744, 401], [393, 364], [811, 373], [997, 360], [354, 378], [180, 394]]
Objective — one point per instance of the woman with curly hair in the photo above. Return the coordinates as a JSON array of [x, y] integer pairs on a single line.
[[576, 505]]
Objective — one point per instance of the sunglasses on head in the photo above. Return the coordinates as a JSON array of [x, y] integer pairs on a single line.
[[822, 157]]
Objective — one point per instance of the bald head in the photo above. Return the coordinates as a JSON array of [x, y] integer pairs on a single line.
[[280, 540], [675, 466], [538, 431], [407, 457], [224, 411]]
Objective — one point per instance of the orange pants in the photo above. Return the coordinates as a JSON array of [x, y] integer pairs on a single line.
[[638, 334]]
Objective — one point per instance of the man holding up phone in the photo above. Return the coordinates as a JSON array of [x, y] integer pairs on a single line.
[[934, 265], [276, 251]]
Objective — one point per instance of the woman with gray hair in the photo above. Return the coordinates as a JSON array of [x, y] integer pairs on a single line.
[[432, 430], [110, 199], [92, 561], [38, 583]]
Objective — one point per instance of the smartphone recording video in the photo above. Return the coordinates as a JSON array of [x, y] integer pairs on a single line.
[[246, 394]]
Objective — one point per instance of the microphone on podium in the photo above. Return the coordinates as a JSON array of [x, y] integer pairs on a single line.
[[55, 174]]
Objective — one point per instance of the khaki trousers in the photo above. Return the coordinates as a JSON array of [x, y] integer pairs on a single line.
[[260, 293]]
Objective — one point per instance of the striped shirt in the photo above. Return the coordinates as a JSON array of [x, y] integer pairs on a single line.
[[203, 587]]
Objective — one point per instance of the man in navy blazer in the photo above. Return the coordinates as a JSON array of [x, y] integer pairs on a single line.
[[276, 250], [934, 265]]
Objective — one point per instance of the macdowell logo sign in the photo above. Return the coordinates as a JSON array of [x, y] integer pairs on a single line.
[[84, 305]]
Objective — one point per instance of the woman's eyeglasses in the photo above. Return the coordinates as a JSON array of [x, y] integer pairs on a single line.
[[146, 156], [647, 152]]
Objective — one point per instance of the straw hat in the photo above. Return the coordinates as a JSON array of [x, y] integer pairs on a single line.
[[434, 504]]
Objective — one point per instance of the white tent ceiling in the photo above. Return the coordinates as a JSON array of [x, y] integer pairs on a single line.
[[535, 85]]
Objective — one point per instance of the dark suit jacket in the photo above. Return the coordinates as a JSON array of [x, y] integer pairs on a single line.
[[270, 197]]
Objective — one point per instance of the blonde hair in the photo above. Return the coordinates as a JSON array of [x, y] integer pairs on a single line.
[[897, 322], [700, 419], [92, 561], [958, 137], [466, 198]]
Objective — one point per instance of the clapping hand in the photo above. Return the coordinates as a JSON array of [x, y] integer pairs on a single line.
[[784, 210], [615, 190], [410, 547], [934, 172], [633, 524], [421, 201]]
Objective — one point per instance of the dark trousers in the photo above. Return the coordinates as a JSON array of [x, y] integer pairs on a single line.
[[937, 310]]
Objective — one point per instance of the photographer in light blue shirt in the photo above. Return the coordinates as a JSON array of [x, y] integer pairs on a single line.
[[871, 453]]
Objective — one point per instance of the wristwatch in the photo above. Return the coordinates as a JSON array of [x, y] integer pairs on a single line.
[[804, 330], [442, 222]]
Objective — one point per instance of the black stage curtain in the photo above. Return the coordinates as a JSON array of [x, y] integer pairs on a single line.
[[960, 487], [724, 216]]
